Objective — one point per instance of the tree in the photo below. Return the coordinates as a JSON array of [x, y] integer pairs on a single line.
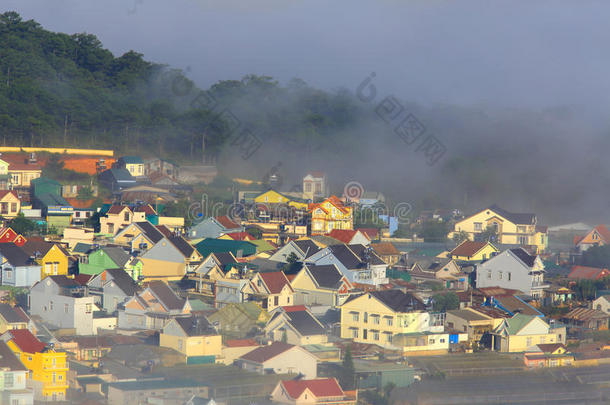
[[292, 264], [488, 235], [445, 302], [597, 256], [459, 237], [347, 376], [22, 225]]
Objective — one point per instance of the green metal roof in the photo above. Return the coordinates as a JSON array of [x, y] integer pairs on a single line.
[[262, 245], [210, 245], [132, 160], [518, 322]]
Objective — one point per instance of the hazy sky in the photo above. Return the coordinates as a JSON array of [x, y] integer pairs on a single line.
[[508, 53]]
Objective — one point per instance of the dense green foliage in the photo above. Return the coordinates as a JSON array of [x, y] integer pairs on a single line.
[[445, 301], [347, 375], [597, 256]]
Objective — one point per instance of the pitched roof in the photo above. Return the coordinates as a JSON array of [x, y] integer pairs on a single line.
[[81, 247], [132, 160], [196, 326], [9, 314], [224, 258], [396, 300], [117, 209], [164, 230], [524, 256], [34, 245], [150, 231], [518, 322], [265, 353], [240, 343], [123, 281], [227, 222], [585, 314], [385, 248], [371, 233], [15, 255], [305, 323], [64, 281], [27, 342], [166, 295], [9, 360], [468, 248], [586, 272], [550, 347], [326, 276], [182, 245], [117, 255], [522, 219], [320, 387], [354, 256], [343, 235], [275, 281], [603, 231], [515, 305], [307, 246], [145, 208], [3, 193]]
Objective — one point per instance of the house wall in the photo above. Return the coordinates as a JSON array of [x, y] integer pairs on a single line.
[[162, 270], [112, 296], [193, 345], [98, 262], [24, 276], [601, 304], [106, 323], [505, 271], [230, 354], [62, 311], [55, 262]]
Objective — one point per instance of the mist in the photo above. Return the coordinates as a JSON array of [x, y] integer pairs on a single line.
[[520, 87]]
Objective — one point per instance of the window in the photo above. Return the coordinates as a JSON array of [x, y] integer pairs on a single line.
[[376, 319], [542, 339], [528, 342], [66, 308], [87, 308], [500, 275], [388, 337], [489, 274], [126, 216], [8, 273], [366, 317], [478, 226], [276, 300], [431, 341], [389, 321], [509, 276], [355, 316], [50, 305], [55, 268], [308, 187], [375, 334], [354, 332], [77, 214], [8, 380], [13, 207], [442, 340]]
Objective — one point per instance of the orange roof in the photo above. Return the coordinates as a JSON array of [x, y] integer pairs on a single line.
[[603, 232], [334, 200], [80, 204], [295, 308], [321, 387], [385, 248], [227, 222], [85, 164], [343, 235]]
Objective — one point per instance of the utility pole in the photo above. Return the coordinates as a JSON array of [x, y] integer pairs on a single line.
[[66, 130]]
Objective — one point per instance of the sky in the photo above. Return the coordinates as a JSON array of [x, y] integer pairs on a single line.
[[521, 54]]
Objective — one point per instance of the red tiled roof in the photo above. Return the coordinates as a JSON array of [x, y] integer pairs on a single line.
[[240, 343], [83, 279], [227, 222], [295, 308], [578, 238], [27, 342], [588, 273], [468, 248], [80, 204], [275, 281], [320, 387], [264, 353], [343, 235], [3, 193], [240, 236], [371, 233]]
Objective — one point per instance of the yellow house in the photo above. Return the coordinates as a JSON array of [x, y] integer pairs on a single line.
[[273, 197], [378, 316], [133, 164], [13, 318], [330, 214], [194, 337], [52, 258], [139, 235], [48, 367], [118, 217], [548, 355], [473, 251], [521, 332], [21, 172], [511, 228], [476, 323], [320, 285], [10, 205]]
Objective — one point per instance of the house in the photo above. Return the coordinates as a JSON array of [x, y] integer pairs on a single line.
[[112, 287], [213, 227], [133, 164], [473, 251], [360, 264], [387, 252], [319, 391], [10, 205], [52, 257], [48, 368], [588, 273], [477, 322], [235, 348], [295, 325], [118, 217], [598, 236], [378, 317], [22, 171], [108, 257], [272, 197], [302, 249], [238, 236], [281, 358], [237, 247], [271, 289], [548, 355], [63, 303], [515, 269], [7, 235], [511, 228], [73, 236], [370, 198], [171, 258], [194, 337], [18, 268], [53, 207], [314, 186], [69, 191], [587, 319], [320, 285], [152, 307], [5, 179], [521, 332], [330, 214], [161, 166], [13, 377], [14, 318], [214, 268], [139, 236], [350, 237], [602, 304], [82, 210], [116, 179]]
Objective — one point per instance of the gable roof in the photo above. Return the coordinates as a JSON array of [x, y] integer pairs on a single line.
[[27, 342], [9, 314], [371, 233], [124, 281], [275, 281], [240, 343], [150, 231], [185, 248], [551, 347], [3, 193], [524, 256], [265, 353], [307, 246], [9, 360], [468, 248], [15, 255], [196, 326], [521, 219], [34, 245], [515, 305], [344, 235], [320, 387], [518, 322], [81, 247], [227, 222], [224, 259], [396, 300], [326, 276], [354, 256], [117, 255], [586, 272], [132, 160], [64, 281], [166, 295], [585, 314], [305, 323], [117, 209], [385, 248]]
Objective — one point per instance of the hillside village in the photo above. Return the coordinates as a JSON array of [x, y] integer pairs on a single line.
[[282, 296]]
